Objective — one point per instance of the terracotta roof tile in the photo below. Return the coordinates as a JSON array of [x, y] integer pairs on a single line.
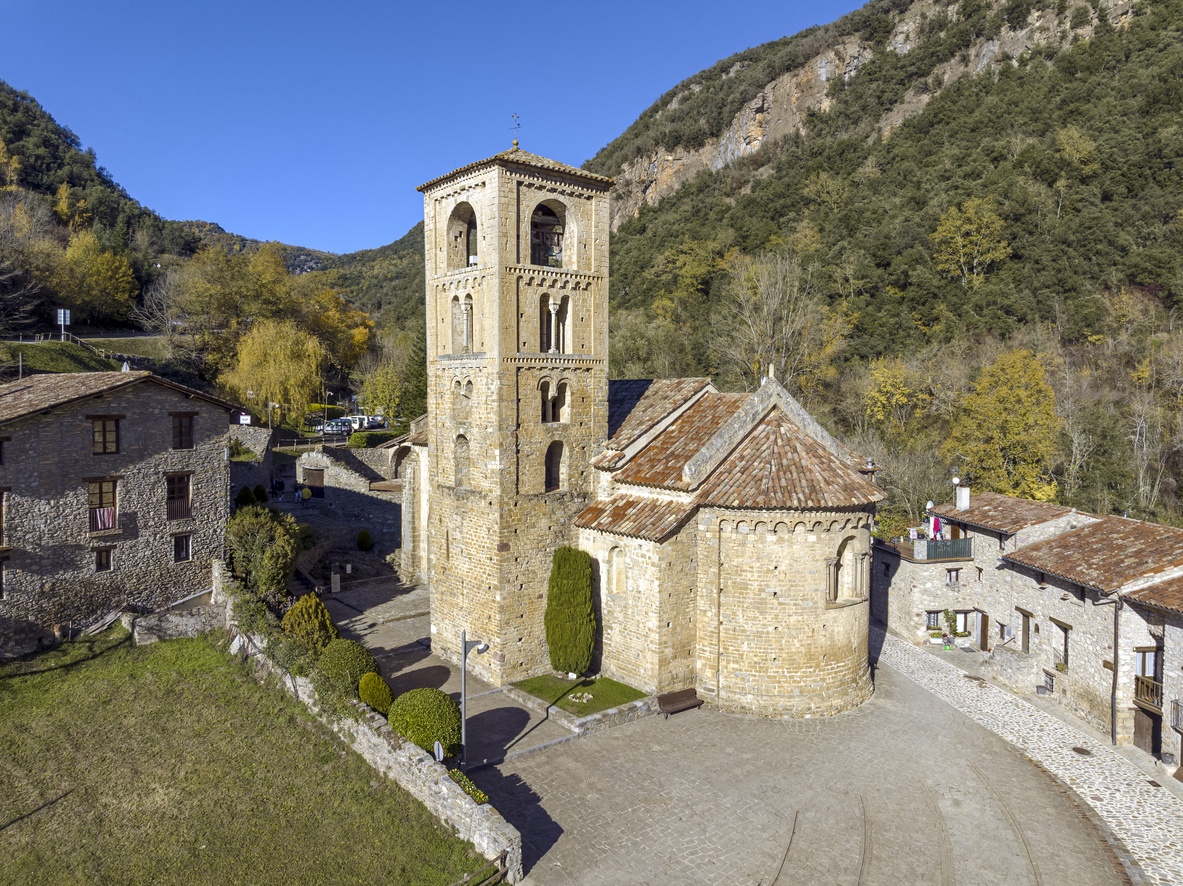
[[635, 516], [1105, 555], [37, 393], [661, 462], [778, 465], [1002, 513], [525, 158], [1162, 595], [637, 405]]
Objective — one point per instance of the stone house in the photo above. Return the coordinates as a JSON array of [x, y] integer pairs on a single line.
[[114, 492], [1047, 593], [730, 534]]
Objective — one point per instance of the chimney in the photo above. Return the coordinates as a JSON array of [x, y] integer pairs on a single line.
[[962, 498]]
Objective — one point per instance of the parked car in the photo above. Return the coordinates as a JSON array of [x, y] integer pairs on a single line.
[[376, 422], [337, 426]]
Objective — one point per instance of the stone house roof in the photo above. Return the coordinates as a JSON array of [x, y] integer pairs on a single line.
[[522, 158], [758, 451], [1107, 555], [654, 519], [42, 393], [1166, 595], [777, 466], [1001, 513]]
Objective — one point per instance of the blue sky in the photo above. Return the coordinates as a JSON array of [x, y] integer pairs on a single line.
[[313, 123]]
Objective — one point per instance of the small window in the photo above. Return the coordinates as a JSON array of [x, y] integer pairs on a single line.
[[178, 496], [3, 440], [952, 577], [932, 620], [462, 463], [102, 560], [554, 467], [182, 431], [105, 436], [182, 551]]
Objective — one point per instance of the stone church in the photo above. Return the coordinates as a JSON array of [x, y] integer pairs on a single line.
[[730, 533]]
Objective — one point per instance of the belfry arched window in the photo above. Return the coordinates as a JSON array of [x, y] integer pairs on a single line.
[[555, 467], [554, 324], [546, 235], [462, 238]]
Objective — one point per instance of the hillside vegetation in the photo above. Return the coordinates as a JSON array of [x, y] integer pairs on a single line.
[[1034, 208]]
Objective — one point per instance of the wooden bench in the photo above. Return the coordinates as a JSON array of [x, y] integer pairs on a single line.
[[682, 700]]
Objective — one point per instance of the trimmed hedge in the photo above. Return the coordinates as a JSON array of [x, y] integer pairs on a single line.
[[260, 494], [469, 788], [370, 439], [309, 622], [245, 498], [425, 716], [341, 666], [570, 618], [364, 540], [376, 692]]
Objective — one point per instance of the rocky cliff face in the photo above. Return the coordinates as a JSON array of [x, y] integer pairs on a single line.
[[781, 107]]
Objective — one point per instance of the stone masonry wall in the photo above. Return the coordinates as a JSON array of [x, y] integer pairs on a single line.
[[769, 642], [50, 576]]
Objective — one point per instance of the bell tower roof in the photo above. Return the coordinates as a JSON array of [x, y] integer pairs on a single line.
[[517, 157]]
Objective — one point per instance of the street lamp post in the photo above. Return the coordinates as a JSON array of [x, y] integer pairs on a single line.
[[481, 648]]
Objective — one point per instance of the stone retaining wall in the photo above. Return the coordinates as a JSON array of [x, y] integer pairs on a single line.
[[415, 771]]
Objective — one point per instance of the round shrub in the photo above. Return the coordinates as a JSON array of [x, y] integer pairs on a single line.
[[309, 622], [260, 494], [364, 540], [341, 666], [245, 498], [375, 692], [426, 716]]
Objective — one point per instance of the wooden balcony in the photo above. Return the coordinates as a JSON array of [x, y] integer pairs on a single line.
[[1148, 692]]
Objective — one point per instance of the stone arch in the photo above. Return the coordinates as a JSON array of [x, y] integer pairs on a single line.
[[555, 468], [547, 228], [800, 526], [846, 572], [545, 388], [554, 324], [462, 465], [462, 238], [761, 527], [616, 570], [780, 527], [461, 399], [724, 525], [561, 406]]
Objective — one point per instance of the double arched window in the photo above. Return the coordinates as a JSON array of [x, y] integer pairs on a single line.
[[461, 399], [556, 401], [554, 324], [462, 325]]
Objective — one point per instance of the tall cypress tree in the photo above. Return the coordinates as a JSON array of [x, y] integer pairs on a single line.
[[570, 618]]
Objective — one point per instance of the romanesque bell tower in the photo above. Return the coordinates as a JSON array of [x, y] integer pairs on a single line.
[[517, 375]]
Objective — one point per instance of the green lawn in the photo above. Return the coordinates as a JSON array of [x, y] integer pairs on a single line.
[[53, 356], [152, 346], [170, 764], [604, 693]]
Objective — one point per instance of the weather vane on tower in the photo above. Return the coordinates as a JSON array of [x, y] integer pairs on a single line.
[[516, 126]]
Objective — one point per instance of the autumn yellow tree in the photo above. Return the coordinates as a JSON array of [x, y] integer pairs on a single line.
[[894, 396], [1005, 437], [969, 239], [94, 283], [277, 362]]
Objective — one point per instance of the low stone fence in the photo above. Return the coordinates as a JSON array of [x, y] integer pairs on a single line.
[[625, 713], [385, 750], [416, 772]]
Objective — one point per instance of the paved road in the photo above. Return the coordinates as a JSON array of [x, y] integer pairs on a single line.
[[904, 790]]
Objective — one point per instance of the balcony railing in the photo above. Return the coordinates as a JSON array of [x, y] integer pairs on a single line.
[[179, 510], [1177, 714], [103, 519], [943, 549], [1060, 658], [1148, 691]]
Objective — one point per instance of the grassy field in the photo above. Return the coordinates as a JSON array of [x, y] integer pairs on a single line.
[[170, 764], [604, 693], [52, 356], [152, 346]]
